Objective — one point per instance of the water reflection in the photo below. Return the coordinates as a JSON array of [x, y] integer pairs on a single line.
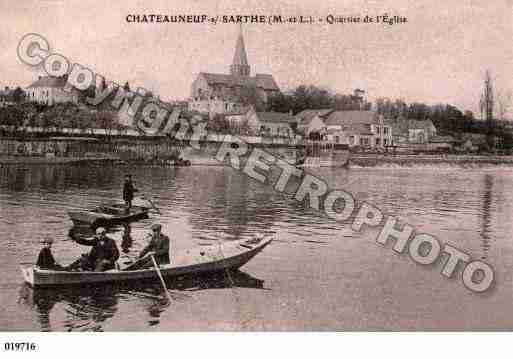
[[486, 216], [89, 307], [127, 240]]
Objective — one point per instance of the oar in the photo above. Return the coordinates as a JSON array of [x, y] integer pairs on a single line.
[[152, 204], [161, 278]]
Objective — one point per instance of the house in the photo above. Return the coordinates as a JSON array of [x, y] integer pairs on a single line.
[[358, 128], [49, 90], [472, 142], [272, 124], [312, 122], [240, 119], [412, 131], [222, 93]]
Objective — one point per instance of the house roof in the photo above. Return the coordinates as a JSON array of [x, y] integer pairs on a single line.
[[306, 116], [50, 81], [263, 81], [402, 126], [276, 117], [351, 117]]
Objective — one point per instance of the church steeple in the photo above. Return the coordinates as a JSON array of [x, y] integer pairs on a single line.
[[240, 66]]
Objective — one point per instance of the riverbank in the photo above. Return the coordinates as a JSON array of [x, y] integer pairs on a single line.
[[197, 158], [375, 160], [43, 160]]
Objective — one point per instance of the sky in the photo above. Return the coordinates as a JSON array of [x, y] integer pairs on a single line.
[[438, 56]]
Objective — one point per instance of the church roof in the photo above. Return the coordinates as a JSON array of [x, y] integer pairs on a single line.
[[50, 81], [263, 81], [240, 57], [351, 117]]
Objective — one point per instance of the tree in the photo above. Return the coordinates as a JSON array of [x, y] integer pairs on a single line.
[[486, 104]]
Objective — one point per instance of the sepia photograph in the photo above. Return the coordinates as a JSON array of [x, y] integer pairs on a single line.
[[255, 166]]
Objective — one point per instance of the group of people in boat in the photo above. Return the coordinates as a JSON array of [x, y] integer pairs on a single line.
[[104, 252]]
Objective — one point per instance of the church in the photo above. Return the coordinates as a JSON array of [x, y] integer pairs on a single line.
[[227, 93]]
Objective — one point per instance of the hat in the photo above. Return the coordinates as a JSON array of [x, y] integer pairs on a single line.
[[156, 226], [100, 230], [47, 240]]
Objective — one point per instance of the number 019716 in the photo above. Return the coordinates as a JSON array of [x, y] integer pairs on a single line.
[[19, 346]]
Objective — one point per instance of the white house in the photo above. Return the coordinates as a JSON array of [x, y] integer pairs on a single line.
[[358, 128], [50, 90], [311, 122]]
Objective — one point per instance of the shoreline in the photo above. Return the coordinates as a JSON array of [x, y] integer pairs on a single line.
[[355, 160], [376, 160]]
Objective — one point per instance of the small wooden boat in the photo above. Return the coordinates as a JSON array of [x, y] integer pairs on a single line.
[[229, 255], [107, 215]]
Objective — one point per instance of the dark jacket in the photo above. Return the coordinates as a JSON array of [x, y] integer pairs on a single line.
[[161, 248], [128, 190], [109, 251], [45, 260]]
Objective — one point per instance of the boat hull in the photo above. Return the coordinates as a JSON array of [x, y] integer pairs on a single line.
[[97, 219], [195, 261]]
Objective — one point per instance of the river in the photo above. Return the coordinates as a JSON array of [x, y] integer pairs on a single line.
[[316, 275]]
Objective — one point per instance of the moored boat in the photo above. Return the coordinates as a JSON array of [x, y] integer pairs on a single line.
[[229, 255], [107, 215]]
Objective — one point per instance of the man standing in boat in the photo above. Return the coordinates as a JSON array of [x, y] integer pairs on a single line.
[[128, 191], [103, 255], [159, 245]]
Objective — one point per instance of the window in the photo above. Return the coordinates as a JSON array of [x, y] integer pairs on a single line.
[[378, 141], [337, 139], [385, 130], [385, 142], [351, 140]]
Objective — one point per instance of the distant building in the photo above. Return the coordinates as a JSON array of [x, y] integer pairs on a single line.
[[269, 124], [223, 93], [312, 122], [413, 131], [49, 90], [273, 124], [358, 128]]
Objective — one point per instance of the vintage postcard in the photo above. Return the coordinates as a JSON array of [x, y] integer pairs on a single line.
[[255, 166]]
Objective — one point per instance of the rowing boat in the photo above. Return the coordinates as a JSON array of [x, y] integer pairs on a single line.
[[107, 215], [228, 255]]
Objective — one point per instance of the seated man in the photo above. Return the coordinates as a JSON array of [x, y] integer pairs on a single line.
[[158, 247], [103, 255], [45, 258]]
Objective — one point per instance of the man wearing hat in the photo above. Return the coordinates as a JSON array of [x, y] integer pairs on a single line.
[[103, 255], [45, 258], [159, 245]]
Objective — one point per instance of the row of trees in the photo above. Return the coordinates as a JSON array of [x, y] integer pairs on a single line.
[[57, 117], [312, 97]]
